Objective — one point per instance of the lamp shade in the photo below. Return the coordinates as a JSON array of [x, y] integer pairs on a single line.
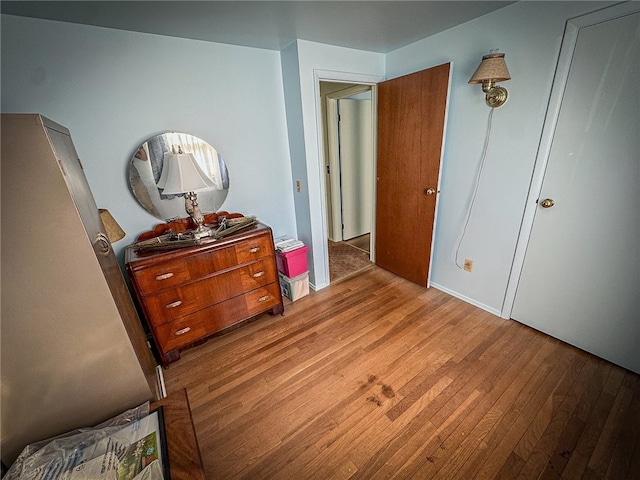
[[181, 174], [492, 68], [112, 229]]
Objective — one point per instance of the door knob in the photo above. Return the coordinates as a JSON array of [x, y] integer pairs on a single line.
[[430, 191], [547, 203]]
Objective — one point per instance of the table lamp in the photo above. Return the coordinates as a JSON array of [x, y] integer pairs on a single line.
[[181, 174]]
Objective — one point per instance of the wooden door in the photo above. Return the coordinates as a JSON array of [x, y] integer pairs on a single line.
[[411, 122], [581, 274]]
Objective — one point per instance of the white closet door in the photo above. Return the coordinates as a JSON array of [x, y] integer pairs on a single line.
[[581, 276], [356, 166]]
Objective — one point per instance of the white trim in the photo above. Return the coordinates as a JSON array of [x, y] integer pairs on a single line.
[[322, 278], [374, 136], [551, 119], [160, 379], [439, 181], [466, 299], [345, 77]]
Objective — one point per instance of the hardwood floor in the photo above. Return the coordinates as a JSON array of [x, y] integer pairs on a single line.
[[375, 377]]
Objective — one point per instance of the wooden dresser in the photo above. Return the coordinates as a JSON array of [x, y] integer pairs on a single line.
[[188, 294]]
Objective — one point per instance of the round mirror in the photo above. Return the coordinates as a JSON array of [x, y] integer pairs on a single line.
[[146, 166]]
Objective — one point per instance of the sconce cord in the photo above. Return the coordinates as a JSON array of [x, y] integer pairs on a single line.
[[483, 157]]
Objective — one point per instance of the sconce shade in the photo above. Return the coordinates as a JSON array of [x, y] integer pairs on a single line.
[[112, 229], [181, 174], [492, 69]]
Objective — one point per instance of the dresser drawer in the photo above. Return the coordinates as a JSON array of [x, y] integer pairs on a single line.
[[178, 271], [254, 248], [191, 328], [177, 302], [159, 277]]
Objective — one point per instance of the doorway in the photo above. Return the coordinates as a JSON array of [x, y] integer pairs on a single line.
[[408, 138], [347, 116]]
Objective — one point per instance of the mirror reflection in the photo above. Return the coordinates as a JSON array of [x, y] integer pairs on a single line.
[[146, 167]]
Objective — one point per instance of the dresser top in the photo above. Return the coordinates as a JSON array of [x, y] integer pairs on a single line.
[[149, 257]]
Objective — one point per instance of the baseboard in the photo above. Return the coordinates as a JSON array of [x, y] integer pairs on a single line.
[[466, 299]]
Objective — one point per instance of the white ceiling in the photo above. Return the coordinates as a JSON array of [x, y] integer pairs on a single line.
[[378, 26]]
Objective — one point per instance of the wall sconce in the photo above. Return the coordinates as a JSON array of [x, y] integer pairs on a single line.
[[181, 174], [492, 69]]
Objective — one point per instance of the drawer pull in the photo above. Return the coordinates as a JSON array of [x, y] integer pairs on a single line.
[[175, 304], [254, 250], [258, 274], [263, 299], [164, 276], [182, 331]]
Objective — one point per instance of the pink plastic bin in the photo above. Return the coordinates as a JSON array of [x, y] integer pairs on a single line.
[[292, 263]]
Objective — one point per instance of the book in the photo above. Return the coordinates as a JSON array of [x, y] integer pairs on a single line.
[[287, 244]]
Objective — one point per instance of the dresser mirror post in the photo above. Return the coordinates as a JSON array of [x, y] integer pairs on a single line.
[[146, 167]]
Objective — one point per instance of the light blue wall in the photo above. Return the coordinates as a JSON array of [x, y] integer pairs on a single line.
[[114, 89], [293, 102], [317, 62], [530, 34]]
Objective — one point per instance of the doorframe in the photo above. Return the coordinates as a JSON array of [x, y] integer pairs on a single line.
[[561, 77], [333, 155], [339, 77]]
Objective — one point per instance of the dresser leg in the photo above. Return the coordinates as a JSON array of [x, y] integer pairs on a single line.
[[170, 357], [278, 309]]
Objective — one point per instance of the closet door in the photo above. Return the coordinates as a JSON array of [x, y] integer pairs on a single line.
[[356, 166], [581, 272]]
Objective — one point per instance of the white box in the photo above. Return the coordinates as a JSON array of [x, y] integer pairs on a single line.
[[296, 287]]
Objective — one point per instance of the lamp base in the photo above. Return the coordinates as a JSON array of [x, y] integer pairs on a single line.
[[191, 206], [496, 96]]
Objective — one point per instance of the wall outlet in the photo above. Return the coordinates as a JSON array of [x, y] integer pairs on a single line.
[[468, 265]]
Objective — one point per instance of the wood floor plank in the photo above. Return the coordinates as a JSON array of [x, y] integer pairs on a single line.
[[465, 447], [629, 438], [586, 444], [634, 469], [564, 400], [456, 449], [511, 468], [424, 464], [376, 444], [586, 394], [375, 377], [603, 451], [510, 401], [516, 422]]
